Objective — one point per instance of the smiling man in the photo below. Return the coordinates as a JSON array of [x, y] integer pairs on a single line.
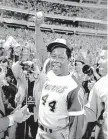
[[61, 104]]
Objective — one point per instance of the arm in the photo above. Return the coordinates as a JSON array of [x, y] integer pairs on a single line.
[[4, 123], [18, 72], [21, 82], [37, 90], [92, 108], [76, 117], [19, 115], [39, 37], [40, 45]]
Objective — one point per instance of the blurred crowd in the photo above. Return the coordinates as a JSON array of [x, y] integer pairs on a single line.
[[79, 43], [76, 24], [58, 9], [83, 65], [85, 48], [56, 22]]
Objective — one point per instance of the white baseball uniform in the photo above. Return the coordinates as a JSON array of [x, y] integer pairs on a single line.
[[61, 97]]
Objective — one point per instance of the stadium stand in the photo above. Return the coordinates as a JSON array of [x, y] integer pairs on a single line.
[[81, 20]]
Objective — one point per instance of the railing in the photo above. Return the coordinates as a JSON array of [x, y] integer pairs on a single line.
[[52, 27]]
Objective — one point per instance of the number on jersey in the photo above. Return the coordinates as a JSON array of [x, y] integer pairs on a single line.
[[51, 104], [44, 98]]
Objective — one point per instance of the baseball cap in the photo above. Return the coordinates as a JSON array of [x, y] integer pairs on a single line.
[[59, 42]]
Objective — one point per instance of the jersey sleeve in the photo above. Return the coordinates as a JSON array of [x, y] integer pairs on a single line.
[[93, 108], [75, 102], [37, 90]]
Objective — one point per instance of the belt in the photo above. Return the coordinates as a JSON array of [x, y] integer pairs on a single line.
[[44, 129]]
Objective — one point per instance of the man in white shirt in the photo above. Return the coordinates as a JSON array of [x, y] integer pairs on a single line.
[[98, 96], [61, 103]]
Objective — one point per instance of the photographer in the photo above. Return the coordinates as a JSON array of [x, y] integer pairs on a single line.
[[25, 74], [91, 77], [9, 87], [29, 70], [18, 116]]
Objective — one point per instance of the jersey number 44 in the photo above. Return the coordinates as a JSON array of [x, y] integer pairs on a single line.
[[52, 104]]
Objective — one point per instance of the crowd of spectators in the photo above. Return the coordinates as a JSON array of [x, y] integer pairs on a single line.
[[85, 50], [55, 22], [91, 45], [58, 9], [76, 24], [72, 11]]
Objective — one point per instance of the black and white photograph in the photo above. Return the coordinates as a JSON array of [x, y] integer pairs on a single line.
[[53, 69]]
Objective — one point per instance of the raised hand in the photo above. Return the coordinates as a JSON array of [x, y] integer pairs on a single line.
[[39, 18]]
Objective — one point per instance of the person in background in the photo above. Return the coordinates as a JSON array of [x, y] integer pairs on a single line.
[[97, 106], [17, 116]]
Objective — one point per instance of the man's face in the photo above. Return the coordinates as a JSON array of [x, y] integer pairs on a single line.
[[103, 61], [59, 61]]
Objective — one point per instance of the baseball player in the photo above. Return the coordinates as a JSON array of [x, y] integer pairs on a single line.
[[61, 104], [98, 98]]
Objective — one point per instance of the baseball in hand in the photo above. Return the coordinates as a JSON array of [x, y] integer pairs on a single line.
[[39, 14]]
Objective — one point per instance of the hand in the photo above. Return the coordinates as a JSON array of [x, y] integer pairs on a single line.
[[21, 114], [39, 20]]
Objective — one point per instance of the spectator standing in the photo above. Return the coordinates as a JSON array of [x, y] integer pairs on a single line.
[[97, 104]]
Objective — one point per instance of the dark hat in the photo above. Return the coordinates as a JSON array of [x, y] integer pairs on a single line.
[[59, 42]]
